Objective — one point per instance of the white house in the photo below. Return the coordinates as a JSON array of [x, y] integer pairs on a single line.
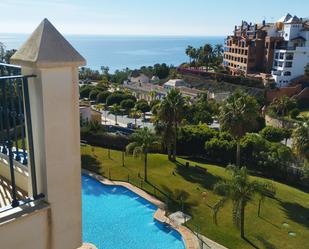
[[292, 54], [173, 84], [138, 77]]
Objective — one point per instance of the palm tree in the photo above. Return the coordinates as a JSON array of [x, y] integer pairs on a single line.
[[218, 53], [143, 140], [115, 110], [135, 113], [188, 53], [240, 191], [170, 115], [301, 139], [238, 115], [208, 53]]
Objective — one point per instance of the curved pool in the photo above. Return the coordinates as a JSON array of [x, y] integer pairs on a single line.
[[116, 218]]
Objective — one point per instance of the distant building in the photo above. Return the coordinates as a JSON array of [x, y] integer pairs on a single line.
[[279, 50], [250, 49], [138, 77], [87, 114], [292, 52], [173, 84], [155, 79]]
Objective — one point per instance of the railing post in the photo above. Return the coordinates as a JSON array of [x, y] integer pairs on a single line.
[[30, 138], [52, 116]]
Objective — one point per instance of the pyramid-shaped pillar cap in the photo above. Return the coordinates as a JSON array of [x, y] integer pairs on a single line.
[[47, 48]]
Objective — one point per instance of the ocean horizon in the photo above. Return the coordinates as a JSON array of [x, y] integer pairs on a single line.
[[125, 51]]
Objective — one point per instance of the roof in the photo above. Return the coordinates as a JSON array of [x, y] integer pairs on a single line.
[[46, 47], [175, 82], [293, 19], [285, 18]]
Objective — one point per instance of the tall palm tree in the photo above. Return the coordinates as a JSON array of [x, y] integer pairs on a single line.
[[170, 115], [238, 115], [240, 191], [188, 53], [143, 140], [301, 139], [208, 53], [218, 53], [115, 110]]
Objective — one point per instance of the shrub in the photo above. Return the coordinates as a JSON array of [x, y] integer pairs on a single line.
[[192, 138], [220, 150], [273, 134], [93, 94], [294, 113], [102, 96], [127, 104], [85, 91]]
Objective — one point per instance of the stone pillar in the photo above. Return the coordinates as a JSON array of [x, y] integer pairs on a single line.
[[54, 108]]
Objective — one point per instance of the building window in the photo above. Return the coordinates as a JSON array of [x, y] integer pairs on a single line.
[[276, 63], [281, 56], [289, 56], [277, 55], [288, 64], [280, 64], [287, 73]]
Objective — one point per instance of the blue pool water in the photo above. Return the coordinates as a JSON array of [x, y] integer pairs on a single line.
[[116, 218]]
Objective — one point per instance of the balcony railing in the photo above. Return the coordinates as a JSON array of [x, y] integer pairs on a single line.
[[15, 123]]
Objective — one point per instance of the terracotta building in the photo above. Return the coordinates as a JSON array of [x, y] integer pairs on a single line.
[[250, 49]]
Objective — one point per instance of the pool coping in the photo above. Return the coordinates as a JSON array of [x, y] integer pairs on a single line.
[[189, 238]]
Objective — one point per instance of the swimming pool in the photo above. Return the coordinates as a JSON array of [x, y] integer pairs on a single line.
[[116, 218]]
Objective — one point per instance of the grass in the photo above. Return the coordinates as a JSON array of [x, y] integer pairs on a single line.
[[269, 231]]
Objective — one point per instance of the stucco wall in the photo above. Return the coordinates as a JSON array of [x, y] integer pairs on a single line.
[[28, 232]]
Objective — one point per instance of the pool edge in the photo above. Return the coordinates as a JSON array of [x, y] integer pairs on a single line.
[[189, 238]]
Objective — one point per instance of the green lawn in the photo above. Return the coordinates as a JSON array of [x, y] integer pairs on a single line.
[[268, 231]]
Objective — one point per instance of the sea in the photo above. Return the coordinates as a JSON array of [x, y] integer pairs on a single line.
[[120, 52]]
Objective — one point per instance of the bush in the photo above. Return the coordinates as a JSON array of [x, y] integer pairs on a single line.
[[85, 91], [192, 138], [94, 94], [267, 157], [273, 134], [220, 150], [104, 139], [127, 104], [102, 96], [294, 113]]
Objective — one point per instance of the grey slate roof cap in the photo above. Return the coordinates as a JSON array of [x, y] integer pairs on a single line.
[[46, 47]]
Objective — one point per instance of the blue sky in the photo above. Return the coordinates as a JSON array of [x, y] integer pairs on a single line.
[[143, 17]]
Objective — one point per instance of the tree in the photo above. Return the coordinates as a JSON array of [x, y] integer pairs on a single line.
[[189, 53], [115, 110], [170, 115], [238, 115], [273, 134], [135, 113], [8, 55], [282, 106], [127, 104], [143, 106], [301, 139], [94, 94], [143, 141], [102, 97], [2, 52], [240, 191]]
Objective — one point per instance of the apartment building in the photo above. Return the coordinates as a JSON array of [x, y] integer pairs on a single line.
[[278, 49], [292, 53], [250, 49]]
